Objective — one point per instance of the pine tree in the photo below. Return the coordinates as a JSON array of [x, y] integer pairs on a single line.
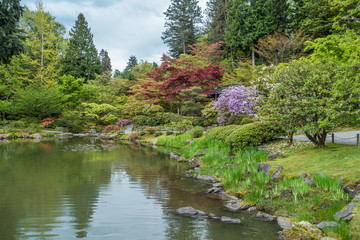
[[81, 57], [216, 22], [132, 62], [10, 35], [105, 61], [249, 20], [182, 19]]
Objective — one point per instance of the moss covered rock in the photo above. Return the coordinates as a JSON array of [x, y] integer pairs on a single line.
[[302, 231]]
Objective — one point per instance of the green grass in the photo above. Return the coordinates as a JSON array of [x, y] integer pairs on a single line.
[[333, 159], [354, 225]]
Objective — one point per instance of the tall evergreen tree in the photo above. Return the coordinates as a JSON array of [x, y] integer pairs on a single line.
[[105, 61], [81, 57], [10, 35], [132, 62], [181, 25], [216, 22], [249, 20]]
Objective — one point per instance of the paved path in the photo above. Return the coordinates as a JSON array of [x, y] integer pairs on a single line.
[[348, 138]]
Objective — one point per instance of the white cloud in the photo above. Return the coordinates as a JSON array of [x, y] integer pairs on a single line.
[[122, 27]]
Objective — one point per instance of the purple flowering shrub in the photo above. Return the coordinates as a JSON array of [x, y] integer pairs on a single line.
[[123, 122], [235, 101]]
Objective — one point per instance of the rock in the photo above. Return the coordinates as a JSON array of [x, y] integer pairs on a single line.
[[230, 220], [213, 190], [327, 238], [212, 216], [302, 230], [36, 136], [5, 136], [81, 135], [284, 223], [198, 155], [251, 209], [181, 159], [265, 168], [189, 211], [229, 197], [352, 188], [276, 155], [217, 185], [174, 156], [346, 213], [357, 196], [323, 225], [265, 216], [236, 206], [277, 173], [189, 142], [204, 178], [64, 135]]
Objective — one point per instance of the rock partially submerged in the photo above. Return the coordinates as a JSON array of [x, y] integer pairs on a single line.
[[174, 156], [265, 216], [5, 136], [284, 223], [346, 213], [236, 206], [189, 211], [230, 220], [204, 178]]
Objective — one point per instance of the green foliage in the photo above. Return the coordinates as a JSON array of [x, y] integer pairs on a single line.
[[157, 134], [168, 133], [181, 25], [105, 61], [165, 118], [151, 130], [38, 101], [246, 120], [81, 57], [177, 141], [313, 96], [252, 134], [73, 89], [331, 185], [10, 37], [197, 132], [221, 133], [98, 113]]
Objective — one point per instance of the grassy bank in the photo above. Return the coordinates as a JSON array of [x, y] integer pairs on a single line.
[[288, 196]]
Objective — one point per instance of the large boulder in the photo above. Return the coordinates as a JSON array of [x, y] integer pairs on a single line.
[[301, 231], [189, 211], [5, 136], [206, 179], [277, 173], [326, 224], [265, 168]]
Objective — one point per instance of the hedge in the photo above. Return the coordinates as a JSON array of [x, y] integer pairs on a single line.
[[239, 136]]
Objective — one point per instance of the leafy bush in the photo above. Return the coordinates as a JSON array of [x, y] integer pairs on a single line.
[[142, 133], [252, 134], [151, 130], [221, 133], [158, 134], [246, 121], [163, 118], [168, 133], [235, 119], [111, 128], [134, 136], [197, 132]]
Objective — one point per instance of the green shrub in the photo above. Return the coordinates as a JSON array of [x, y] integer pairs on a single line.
[[151, 130], [220, 133], [235, 120], [142, 133], [252, 134], [158, 134], [168, 133], [197, 132], [246, 121]]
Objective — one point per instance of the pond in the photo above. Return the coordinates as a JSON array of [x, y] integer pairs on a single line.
[[87, 188]]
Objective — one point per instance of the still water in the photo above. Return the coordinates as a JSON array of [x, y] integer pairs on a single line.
[[90, 189]]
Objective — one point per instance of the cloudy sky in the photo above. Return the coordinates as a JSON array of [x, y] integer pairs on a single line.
[[122, 27]]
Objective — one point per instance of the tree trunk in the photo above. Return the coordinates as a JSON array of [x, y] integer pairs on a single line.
[[253, 55], [290, 138], [318, 139]]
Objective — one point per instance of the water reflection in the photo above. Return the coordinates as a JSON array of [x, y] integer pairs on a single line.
[[122, 192]]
